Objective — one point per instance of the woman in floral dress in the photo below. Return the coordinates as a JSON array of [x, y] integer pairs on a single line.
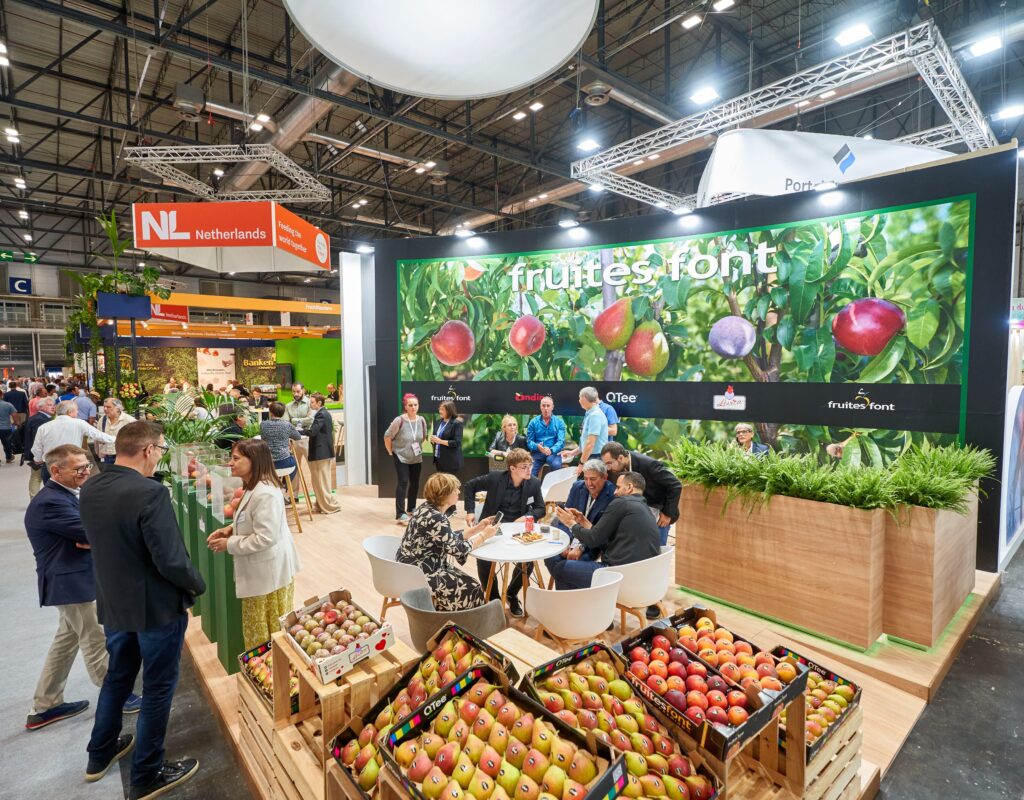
[[431, 544]]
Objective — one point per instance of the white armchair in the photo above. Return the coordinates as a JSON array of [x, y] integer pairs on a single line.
[[644, 584], [390, 578], [576, 615]]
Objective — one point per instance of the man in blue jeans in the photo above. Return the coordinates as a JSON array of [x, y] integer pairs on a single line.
[[624, 534], [145, 583], [545, 438]]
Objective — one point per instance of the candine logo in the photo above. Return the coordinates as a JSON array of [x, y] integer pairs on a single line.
[[730, 401], [451, 394], [536, 397], [861, 402]]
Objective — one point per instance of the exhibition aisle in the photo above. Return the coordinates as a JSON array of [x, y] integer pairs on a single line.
[[51, 762]]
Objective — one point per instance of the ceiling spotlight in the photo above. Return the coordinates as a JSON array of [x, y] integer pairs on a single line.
[[463, 233], [13, 139], [831, 198], [588, 145], [577, 233], [987, 45], [11, 132], [682, 211], [638, 162], [184, 326], [704, 95], [519, 115], [532, 200], [231, 273], [141, 264], [355, 205], [596, 187], [867, 136], [308, 280], [27, 237], [363, 201], [3, 47], [145, 324], [420, 170], [567, 222], [263, 118], [256, 127], [1009, 112], [430, 164], [234, 327], [827, 95], [23, 214], [364, 249], [542, 196], [218, 172], [654, 156], [825, 186], [853, 34], [5, 61], [723, 5], [476, 241], [19, 182], [536, 105], [691, 22], [661, 204], [271, 328], [803, 103]]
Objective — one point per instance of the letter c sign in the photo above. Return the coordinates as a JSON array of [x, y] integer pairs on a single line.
[[20, 285]]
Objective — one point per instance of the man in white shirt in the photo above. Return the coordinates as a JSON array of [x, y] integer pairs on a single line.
[[65, 428], [298, 412]]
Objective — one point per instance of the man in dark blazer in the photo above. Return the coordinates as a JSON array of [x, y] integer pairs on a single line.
[[64, 575], [321, 455], [516, 495], [44, 413], [625, 534], [145, 583], [591, 495], [662, 491], [447, 440]]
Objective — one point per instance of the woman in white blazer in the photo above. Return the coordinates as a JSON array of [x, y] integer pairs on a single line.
[[261, 543]]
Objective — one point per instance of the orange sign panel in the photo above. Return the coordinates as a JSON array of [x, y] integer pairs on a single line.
[[229, 224]]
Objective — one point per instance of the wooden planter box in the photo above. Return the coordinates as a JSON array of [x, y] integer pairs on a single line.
[[930, 560], [816, 566]]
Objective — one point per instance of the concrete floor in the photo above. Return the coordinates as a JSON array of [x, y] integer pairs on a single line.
[[50, 763], [967, 743]]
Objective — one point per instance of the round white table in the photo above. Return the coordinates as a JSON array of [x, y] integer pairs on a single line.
[[504, 553]]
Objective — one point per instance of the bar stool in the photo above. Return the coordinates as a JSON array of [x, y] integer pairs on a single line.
[[302, 478], [285, 474]]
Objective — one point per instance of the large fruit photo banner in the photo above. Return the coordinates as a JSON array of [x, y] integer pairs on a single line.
[[877, 297]]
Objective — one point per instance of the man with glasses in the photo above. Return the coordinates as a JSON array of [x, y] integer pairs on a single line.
[[145, 584], [744, 434], [516, 495], [64, 573]]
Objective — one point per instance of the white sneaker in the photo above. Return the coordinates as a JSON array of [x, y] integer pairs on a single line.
[[402, 520]]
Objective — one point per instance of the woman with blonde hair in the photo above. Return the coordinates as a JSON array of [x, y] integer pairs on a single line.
[[431, 544], [508, 438]]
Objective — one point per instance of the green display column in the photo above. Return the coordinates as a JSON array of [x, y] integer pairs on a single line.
[[176, 502], [203, 561], [190, 517], [228, 613]]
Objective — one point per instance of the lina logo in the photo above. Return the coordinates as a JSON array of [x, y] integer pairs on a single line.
[[844, 158]]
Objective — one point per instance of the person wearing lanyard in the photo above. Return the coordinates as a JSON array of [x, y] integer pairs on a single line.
[[447, 439], [592, 495], [404, 442]]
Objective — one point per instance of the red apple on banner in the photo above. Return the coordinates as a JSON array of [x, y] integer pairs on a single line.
[[614, 325], [453, 343], [647, 351], [527, 335], [867, 325]]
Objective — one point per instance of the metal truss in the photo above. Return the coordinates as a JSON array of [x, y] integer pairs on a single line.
[[942, 136], [161, 160], [638, 190], [921, 46]]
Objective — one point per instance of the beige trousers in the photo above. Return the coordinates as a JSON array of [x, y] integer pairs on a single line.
[[77, 627], [35, 481], [320, 472]]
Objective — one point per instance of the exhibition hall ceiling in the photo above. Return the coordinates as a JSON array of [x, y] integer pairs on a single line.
[[85, 80]]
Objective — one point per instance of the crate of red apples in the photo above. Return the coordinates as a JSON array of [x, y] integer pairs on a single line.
[[332, 634], [717, 687], [587, 690]]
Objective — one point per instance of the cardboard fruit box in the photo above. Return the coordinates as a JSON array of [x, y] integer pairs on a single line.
[[249, 663], [721, 741], [607, 782], [784, 653], [330, 668], [382, 716], [534, 684]]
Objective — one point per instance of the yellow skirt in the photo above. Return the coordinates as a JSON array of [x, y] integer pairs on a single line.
[[260, 615]]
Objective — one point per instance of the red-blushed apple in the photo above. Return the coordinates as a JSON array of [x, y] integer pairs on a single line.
[[696, 668], [639, 654], [695, 683], [659, 668], [717, 682], [454, 343], [676, 699], [660, 642], [716, 698], [677, 655], [867, 325], [677, 668], [526, 335], [657, 683], [717, 715], [695, 714], [737, 715], [698, 699], [737, 698], [640, 669]]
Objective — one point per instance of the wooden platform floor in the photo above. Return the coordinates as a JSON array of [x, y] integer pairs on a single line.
[[897, 680]]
